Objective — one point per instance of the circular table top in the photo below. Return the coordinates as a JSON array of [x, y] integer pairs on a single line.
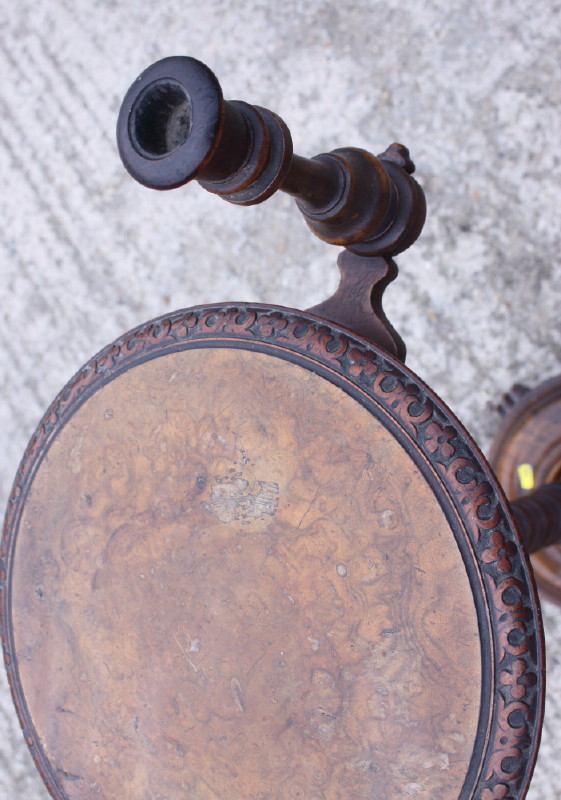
[[250, 556]]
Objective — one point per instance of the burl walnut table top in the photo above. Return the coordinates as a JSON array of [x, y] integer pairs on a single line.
[[249, 557]]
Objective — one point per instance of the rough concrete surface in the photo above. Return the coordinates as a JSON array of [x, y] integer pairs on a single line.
[[473, 88]]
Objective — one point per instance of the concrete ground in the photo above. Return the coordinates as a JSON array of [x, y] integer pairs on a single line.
[[473, 88]]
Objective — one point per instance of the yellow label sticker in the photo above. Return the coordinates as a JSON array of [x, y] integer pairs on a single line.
[[526, 476]]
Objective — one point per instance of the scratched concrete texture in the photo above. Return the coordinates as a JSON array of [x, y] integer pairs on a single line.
[[473, 88]]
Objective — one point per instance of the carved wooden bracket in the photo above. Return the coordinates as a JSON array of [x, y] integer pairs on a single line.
[[357, 303]]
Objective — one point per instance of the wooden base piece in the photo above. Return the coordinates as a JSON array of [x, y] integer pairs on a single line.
[[526, 453]]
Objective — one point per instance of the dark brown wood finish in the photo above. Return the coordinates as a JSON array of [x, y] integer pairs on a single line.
[[538, 516], [175, 126], [357, 303], [234, 506]]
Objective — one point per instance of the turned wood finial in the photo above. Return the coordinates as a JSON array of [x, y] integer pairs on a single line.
[[175, 126]]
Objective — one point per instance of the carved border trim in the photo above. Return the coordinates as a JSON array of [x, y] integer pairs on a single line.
[[516, 631]]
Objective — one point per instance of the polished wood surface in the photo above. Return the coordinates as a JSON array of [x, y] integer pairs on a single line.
[[175, 126], [231, 582], [250, 556]]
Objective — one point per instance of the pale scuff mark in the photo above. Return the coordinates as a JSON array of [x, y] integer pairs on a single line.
[[185, 654], [237, 694], [75, 456], [387, 519]]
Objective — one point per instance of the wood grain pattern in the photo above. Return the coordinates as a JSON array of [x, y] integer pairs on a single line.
[[438, 453], [230, 582]]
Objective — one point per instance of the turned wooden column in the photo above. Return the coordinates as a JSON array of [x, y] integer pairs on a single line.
[[175, 126], [538, 516]]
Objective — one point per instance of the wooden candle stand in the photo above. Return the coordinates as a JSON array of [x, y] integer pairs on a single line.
[[248, 553]]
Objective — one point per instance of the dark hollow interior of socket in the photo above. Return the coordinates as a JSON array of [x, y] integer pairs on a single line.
[[161, 119]]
